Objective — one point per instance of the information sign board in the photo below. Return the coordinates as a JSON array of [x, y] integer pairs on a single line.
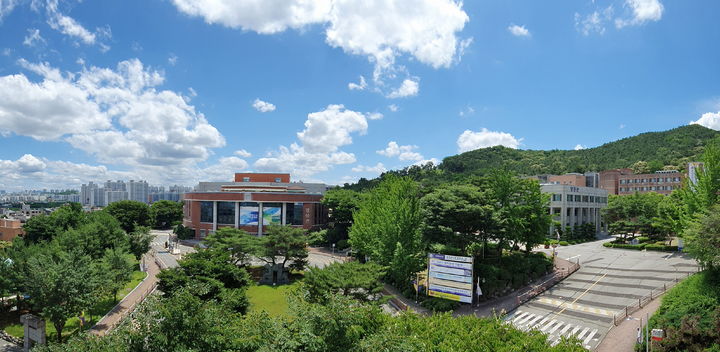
[[450, 277]]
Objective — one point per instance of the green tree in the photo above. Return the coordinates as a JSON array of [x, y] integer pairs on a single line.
[[39, 228], [283, 244], [353, 279], [703, 194], [139, 241], [634, 213], [117, 268], [61, 284], [101, 231], [341, 203], [68, 216], [386, 228], [457, 215], [165, 213], [238, 243], [640, 167], [130, 214], [703, 238]]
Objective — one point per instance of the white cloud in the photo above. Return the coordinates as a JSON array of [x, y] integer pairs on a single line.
[[6, 52], [642, 11], [393, 107], [469, 110], [594, 22], [223, 170], [518, 31], [402, 152], [408, 88], [325, 132], [709, 120], [33, 38], [622, 125], [358, 86], [116, 115], [263, 106], [425, 30], [172, 59], [6, 6], [69, 26], [579, 147], [470, 140], [243, 153], [374, 116], [377, 169]]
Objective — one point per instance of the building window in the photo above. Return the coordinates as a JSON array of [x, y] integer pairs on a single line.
[[622, 182], [226, 213], [202, 233], [206, 211], [585, 199], [557, 197], [294, 213], [278, 180], [246, 179]]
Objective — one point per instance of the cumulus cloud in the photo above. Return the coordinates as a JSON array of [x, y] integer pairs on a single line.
[[426, 30], [408, 88], [709, 120], [358, 86], [375, 116], [243, 153], [471, 140], [33, 38], [377, 169], [325, 132], [119, 115], [393, 107], [172, 59], [579, 147], [263, 106], [593, 22], [467, 111], [402, 152], [642, 11], [518, 31], [6, 6]]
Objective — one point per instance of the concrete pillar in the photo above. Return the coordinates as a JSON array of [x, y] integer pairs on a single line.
[[237, 214], [260, 218], [283, 213], [214, 215]]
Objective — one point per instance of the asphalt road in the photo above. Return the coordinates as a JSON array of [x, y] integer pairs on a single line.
[[584, 304]]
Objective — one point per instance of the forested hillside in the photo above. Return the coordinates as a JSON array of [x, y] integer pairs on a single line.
[[673, 148]]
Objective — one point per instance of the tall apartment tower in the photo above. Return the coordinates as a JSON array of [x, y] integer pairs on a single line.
[[138, 191]]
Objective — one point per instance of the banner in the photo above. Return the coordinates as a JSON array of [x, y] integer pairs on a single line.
[[249, 216], [272, 216]]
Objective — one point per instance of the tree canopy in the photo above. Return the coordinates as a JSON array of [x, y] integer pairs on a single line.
[[130, 214], [166, 213]]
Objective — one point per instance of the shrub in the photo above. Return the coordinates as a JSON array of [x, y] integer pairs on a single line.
[[342, 244], [439, 304], [564, 243], [608, 244], [661, 247], [318, 238], [643, 239], [442, 248]]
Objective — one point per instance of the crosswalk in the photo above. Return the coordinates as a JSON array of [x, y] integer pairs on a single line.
[[555, 329]]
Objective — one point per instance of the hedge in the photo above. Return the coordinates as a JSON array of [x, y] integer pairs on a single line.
[[639, 247]]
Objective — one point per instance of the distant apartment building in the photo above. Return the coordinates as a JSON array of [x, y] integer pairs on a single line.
[[663, 182], [94, 195], [252, 202], [576, 205], [10, 228], [138, 191]]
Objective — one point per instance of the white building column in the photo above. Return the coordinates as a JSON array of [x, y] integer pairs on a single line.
[[237, 214], [260, 218], [283, 213], [214, 215]]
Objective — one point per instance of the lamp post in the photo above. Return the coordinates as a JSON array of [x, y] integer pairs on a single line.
[[333, 250]]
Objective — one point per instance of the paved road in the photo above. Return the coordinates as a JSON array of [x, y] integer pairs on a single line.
[[583, 305], [158, 244]]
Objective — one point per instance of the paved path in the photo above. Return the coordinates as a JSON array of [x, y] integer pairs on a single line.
[[622, 337], [128, 303], [584, 304]]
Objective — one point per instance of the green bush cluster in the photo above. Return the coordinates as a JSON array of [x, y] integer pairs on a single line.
[[510, 271], [643, 239], [439, 304], [641, 246]]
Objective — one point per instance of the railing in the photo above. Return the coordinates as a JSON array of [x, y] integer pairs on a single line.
[[556, 277], [644, 300], [128, 311]]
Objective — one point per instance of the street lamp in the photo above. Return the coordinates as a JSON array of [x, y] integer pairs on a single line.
[[333, 250]]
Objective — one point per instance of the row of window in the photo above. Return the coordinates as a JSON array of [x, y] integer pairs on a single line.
[[250, 213], [579, 198], [653, 180], [650, 188]]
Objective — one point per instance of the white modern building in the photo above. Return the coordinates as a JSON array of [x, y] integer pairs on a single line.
[[573, 206]]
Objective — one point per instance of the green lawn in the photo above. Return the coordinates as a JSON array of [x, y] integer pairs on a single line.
[[91, 317], [271, 299]]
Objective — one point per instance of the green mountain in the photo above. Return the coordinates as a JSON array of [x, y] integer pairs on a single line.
[[673, 148]]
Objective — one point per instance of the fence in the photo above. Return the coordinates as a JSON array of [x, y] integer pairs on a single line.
[[644, 300], [556, 277]]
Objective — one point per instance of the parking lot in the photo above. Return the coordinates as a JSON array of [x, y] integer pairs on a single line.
[[584, 304]]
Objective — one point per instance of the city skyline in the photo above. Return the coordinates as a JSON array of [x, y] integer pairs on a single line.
[[177, 92]]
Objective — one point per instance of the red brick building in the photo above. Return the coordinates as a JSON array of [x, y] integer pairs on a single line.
[[624, 181], [253, 202], [9, 229]]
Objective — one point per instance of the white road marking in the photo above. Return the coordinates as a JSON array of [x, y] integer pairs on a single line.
[[548, 325], [586, 342]]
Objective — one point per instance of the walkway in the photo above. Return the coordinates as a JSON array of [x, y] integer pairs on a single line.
[[128, 303], [622, 337]]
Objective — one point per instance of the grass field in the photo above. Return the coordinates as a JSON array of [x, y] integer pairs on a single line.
[[91, 317], [272, 299]]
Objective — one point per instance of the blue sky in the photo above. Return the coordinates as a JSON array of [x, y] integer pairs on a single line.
[[180, 91]]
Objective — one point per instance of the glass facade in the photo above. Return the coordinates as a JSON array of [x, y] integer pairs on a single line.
[[294, 213], [226, 213], [206, 211]]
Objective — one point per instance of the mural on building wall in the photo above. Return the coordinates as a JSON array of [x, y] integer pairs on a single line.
[[272, 215], [248, 216]]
